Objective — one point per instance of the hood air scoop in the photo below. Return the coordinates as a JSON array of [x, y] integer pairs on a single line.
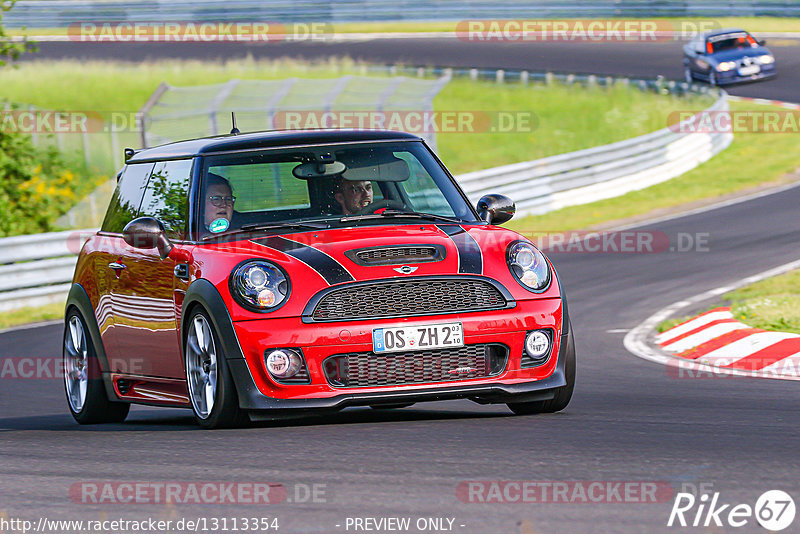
[[397, 255]]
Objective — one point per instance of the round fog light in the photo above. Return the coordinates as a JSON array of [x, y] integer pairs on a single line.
[[283, 363], [537, 344]]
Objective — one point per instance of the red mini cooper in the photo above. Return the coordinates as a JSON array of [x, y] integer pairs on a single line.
[[256, 276]]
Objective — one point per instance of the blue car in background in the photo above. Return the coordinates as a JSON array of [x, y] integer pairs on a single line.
[[727, 56]]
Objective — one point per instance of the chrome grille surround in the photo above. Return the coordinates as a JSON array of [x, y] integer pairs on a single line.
[[407, 298]]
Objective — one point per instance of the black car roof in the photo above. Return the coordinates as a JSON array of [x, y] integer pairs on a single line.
[[270, 139], [714, 33]]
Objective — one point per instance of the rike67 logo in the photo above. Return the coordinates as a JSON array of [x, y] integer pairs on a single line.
[[774, 510]]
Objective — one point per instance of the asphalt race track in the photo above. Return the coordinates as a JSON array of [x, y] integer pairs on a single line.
[[630, 420], [641, 59]]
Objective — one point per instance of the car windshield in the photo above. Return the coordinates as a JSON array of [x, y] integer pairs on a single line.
[[731, 41], [326, 186]]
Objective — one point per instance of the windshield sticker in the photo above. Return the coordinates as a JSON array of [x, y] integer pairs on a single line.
[[218, 225]]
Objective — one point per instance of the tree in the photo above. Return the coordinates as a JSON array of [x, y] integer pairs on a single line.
[[11, 50]]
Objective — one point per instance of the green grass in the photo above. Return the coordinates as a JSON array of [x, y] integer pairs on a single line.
[[771, 304], [567, 117], [751, 160], [31, 315], [753, 24]]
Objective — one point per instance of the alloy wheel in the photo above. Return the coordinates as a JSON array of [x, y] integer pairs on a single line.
[[201, 366], [76, 364]]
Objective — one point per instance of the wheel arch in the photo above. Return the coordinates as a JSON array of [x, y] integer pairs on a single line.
[[203, 294]]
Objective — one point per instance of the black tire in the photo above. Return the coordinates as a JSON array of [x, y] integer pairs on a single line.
[[225, 412], [95, 408], [562, 395]]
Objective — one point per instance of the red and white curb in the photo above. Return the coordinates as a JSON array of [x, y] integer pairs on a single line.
[[717, 338], [715, 343], [764, 101]]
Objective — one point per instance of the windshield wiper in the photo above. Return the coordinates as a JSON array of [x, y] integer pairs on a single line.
[[400, 214], [259, 227]]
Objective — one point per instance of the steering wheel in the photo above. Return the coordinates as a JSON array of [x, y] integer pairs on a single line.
[[373, 207]]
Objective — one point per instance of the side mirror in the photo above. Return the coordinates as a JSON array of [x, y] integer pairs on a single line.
[[496, 209], [762, 42], [147, 232]]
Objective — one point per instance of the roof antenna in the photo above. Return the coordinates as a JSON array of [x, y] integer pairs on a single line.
[[234, 130]]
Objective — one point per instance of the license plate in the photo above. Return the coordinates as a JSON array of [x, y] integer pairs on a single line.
[[421, 337], [751, 69]]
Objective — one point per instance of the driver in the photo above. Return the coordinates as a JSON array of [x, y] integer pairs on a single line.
[[353, 196]]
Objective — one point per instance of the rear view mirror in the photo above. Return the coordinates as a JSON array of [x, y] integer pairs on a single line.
[[318, 169]]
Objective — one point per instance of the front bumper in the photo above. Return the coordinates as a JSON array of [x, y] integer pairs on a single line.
[[730, 77], [257, 391]]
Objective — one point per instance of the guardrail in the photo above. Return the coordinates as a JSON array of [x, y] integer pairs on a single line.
[[60, 13], [37, 269]]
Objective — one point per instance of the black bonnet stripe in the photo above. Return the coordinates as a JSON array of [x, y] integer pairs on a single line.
[[331, 270], [470, 258]]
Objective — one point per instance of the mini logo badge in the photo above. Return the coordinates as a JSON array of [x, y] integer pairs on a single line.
[[406, 269], [461, 370]]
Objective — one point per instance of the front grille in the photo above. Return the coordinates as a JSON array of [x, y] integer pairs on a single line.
[[408, 297], [367, 369]]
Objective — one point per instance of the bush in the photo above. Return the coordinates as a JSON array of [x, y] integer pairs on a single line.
[[36, 186]]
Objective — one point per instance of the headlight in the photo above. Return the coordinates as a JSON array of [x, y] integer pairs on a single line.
[[259, 285], [528, 266], [726, 66], [766, 59]]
